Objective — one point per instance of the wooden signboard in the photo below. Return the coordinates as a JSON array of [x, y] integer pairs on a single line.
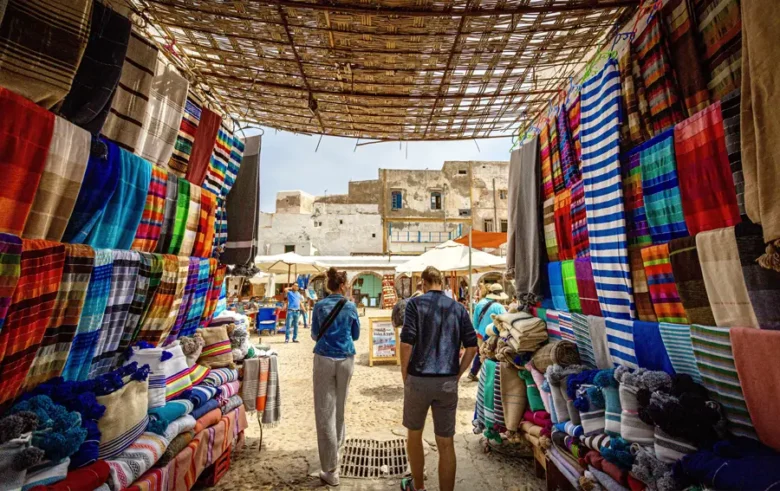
[[383, 343]]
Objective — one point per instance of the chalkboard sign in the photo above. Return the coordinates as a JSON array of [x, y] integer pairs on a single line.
[[382, 341]]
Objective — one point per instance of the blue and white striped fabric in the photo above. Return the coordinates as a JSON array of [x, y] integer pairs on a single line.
[[677, 340], [565, 325], [600, 132], [620, 339], [582, 338], [555, 275]]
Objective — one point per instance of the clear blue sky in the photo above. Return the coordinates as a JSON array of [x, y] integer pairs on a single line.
[[288, 161]]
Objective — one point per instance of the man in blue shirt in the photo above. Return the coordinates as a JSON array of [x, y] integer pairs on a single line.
[[293, 313], [491, 304], [435, 328]]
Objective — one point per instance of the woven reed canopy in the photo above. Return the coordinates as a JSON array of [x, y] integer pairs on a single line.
[[383, 69]]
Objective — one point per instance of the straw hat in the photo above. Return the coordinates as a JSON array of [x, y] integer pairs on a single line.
[[496, 292]]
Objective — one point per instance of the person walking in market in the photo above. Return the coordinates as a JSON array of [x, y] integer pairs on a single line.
[[294, 300], [491, 304], [335, 326], [435, 329]]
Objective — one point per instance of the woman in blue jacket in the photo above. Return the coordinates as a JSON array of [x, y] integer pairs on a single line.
[[335, 325]]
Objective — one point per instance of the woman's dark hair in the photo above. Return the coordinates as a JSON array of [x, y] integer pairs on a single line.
[[336, 279]]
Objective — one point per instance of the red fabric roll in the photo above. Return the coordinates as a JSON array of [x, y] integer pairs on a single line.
[[203, 147], [84, 479]]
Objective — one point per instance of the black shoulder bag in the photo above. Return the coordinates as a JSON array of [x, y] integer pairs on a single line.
[[331, 317]]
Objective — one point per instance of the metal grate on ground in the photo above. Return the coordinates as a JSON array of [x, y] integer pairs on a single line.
[[372, 458]]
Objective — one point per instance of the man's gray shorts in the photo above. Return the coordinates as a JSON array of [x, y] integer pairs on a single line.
[[440, 394]]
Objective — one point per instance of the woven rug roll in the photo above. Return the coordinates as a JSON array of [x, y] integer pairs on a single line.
[[89, 100], [163, 115], [60, 182], [563, 353], [203, 146], [243, 205], [124, 124], [182, 149], [191, 224], [41, 45], [150, 228], [689, 280], [169, 214]]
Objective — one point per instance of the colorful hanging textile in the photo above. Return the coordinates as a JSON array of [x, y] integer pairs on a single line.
[[40, 274], [41, 45], [661, 190], [550, 239], [649, 347], [116, 228], [547, 179], [191, 225], [169, 214], [89, 99], [644, 304], [60, 182], [123, 279], [574, 109], [88, 330], [570, 286], [620, 340], [569, 163], [582, 336], [763, 285], [10, 257], [586, 287], [633, 128], [760, 126], [180, 221], [190, 284], [218, 163], [124, 124], [677, 341], [150, 270], [243, 208], [164, 115], [603, 193], [27, 133], [563, 231], [637, 229], [665, 107], [55, 345], [579, 220], [701, 154], [720, 26], [204, 238], [150, 228], [198, 299], [182, 149], [215, 289], [660, 281], [684, 55], [100, 182], [203, 146], [158, 319], [730, 108], [722, 272], [715, 360], [689, 280], [555, 157], [555, 275], [220, 224]]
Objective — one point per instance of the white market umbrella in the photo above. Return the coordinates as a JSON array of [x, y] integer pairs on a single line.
[[451, 256], [284, 263]]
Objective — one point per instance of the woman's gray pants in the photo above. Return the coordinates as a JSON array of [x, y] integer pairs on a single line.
[[331, 385]]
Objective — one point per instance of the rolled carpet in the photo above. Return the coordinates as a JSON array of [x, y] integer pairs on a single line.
[[563, 353], [513, 395], [177, 445]]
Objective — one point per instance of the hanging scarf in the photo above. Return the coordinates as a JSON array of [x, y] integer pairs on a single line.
[[523, 251], [563, 228], [182, 149], [215, 175], [660, 281], [149, 229], [215, 289], [159, 317], [198, 299], [579, 220], [574, 125], [689, 280], [636, 219], [191, 283], [550, 239], [644, 303], [163, 115], [243, 208], [570, 286], [180, 221], [763, 285], [234, 164], [554, 273], [730, 108], [569, 163], [720, 29], [150, 270], [547, 179], [586, 287], [633, 128], [10, 257], [203, 146], [169, 215], [191, 224], [204, 237], [272, 413]]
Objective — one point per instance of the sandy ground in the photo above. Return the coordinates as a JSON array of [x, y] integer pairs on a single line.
[[288, 456]]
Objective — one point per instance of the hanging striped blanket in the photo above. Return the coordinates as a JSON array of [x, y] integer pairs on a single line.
[[203, 147], [88, 329], [661, 190], [565, 325], [32, 304], [570, 290], [180, 221], [191, 283], [204, 237], [582, 338], [603, 193], [549, 230], [712, 349], [677, 341], [215, 175], [579, 220], [620, 340], [215, 288], [633, 128], [198, 299], [555, 276], [169, 214], [164, 115], [644, 302], [191, 225], [159, 317], [555, 157], [149, 229], [26, 143], [242, 206], [234, 164], [574, 124], [41, 45], [10, 257], [553, 326], [149, 275], [689, 280], [120, 297], [60, 182], [660, 281], [720, 26], [563, 228], [124, 124], [547, 179], [180, 159], [220, 222], [763, 285], [637, 229], [55, 346], [569, 163], [730, 108]]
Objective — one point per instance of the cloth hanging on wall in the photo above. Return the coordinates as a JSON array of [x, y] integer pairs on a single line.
[[218, 163], [689, 280], [215, 288], [570, 286], [198, 298], [204, 237], [720, 27], [700, 148], [582, 338], [550, 240], [661, 190], [760, 128], [220, 223], [41, 45], [544, 150], [555, 275], [763, 285], [555, 157], [660, 282], [150, 228], [203, 146], [563, 232], [730, 108], [56, 343], [24, 150], [620, 340], [191, 224], [10, 256], [89, 100], [649, 347], [160, 315], [644, 303], [523, 249], [124, 124], [633, 128], [163, 115], [28, 316], [150, 269], [579, 220], [169, 214], [190, 284], [116, 228], [603, 193], [243, 205], [180, 221], [58, 189], [586, 287], [637, 229], [569, 163], [182, 149], [88, 329], [574, 110], [722, 272], [677, 341]]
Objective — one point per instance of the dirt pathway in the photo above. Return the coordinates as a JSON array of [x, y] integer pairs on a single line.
[[288, 458]]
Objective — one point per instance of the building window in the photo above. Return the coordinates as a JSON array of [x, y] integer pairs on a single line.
[[373, 236], [502, 194], [504, 226], [289, 248], [463, 172], [435, 200], [488, 225], [341, 222], [464, 213], [397, 200]]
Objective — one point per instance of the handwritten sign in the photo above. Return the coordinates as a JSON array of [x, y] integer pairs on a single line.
[[383, 341]]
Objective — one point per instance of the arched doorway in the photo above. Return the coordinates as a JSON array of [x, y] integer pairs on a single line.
[[367, 289], [403, 286], [317, 283]]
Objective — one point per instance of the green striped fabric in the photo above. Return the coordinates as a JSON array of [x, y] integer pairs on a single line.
[[570, 286], [712, 349], [182, 211], [677, 341]]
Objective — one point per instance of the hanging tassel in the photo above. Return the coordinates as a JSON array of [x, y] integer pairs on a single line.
[[771, 259]]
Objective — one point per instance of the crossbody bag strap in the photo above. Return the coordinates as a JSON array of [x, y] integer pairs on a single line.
[[484, 311], [331, 317]]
